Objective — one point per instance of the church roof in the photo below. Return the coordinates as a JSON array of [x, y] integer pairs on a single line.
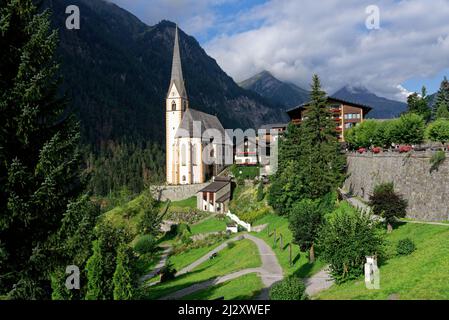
[[208, 121], [176, 69]]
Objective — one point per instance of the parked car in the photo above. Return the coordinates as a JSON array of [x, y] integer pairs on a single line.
[[376, 150], [361, 150]]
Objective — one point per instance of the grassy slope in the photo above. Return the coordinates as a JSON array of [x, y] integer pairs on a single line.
[[208, 225], [422, 275], [301, 266], [243, 288], [227, 261], [186, 203]]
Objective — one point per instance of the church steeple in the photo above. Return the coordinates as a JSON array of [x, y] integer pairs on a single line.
[[176, 69]]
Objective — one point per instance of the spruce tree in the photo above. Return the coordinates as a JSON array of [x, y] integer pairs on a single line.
[[39, 155], [320, 161], [441, 105]]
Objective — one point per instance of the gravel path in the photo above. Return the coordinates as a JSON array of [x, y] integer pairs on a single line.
[[159, 266], [318, 282], [270, 271]]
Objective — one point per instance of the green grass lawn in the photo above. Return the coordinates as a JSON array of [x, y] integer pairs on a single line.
[[209, 225], [185, 258], [243, 288], [301, 266], [227, 261], [186, 203], [422, 275], [245, 172]]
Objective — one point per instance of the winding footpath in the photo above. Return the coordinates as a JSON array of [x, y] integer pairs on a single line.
[[159, 266], [270, 271]]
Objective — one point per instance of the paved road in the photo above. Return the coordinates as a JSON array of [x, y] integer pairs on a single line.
[[270, 271]]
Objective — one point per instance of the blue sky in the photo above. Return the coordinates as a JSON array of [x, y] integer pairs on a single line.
[[294, 39]]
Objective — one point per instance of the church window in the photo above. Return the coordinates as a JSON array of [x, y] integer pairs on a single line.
[[173, 106], [183, 178], [212, 153], [183, 154], [184, 106], [194, 155]]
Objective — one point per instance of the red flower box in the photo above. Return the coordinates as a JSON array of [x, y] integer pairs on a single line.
[[403, 149]]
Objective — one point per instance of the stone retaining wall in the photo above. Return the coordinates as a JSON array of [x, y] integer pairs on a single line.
[[180, 192], [427, 192]]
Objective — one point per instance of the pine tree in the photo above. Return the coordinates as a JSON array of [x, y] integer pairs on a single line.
[[441, 105], [320, 161], [39, 155], [123, 276]]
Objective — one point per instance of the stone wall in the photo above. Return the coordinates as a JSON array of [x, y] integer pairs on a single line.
[[427, 192], [179, 192]]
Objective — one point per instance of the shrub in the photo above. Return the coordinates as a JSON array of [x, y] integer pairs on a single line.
[[145, 244], [388, 204], [290, 288], [168, 272], [405, 247], [252, 216], [347, 237], [231, 244], [438, 131], [260, 193], [437, 159]]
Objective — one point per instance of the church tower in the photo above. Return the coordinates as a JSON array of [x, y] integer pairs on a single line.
[[176, 104]]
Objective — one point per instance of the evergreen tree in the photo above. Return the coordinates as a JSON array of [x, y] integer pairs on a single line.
[[39, 155], [101, 265], [123, 276], [320, 161], [310, 162], [441, 105]]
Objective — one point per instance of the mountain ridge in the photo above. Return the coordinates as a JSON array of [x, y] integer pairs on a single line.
[[268, 86], [382, 108], [116, 70]]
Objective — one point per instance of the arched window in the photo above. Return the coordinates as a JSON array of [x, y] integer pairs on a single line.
[[184, 107], [212, 153], [173, 106], [183, 178]]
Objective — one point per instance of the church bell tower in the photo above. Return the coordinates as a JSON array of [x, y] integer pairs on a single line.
[[176, 104]]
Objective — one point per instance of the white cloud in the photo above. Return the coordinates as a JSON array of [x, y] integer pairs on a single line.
[[295, 39]]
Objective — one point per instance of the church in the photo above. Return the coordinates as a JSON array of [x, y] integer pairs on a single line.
[[196, 147]]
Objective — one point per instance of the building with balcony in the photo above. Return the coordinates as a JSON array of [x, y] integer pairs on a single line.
[[346, 114]]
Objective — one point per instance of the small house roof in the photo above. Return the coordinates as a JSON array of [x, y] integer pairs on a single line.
[[215, 186]]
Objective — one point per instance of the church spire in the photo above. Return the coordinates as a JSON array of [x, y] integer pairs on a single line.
[[176, 69]]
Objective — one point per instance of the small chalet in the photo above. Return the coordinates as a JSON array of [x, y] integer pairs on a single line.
[[215, 196], [346, 114]]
